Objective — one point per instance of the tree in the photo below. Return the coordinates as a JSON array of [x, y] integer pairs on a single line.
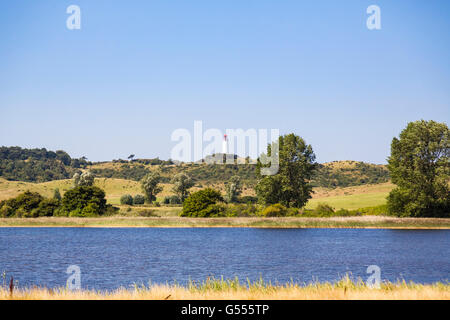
[[57, 195], [126, 199], [84, 201], [291, 185], [84, 179], [233, 189], [202, 203], [150, 186], [138, 199], [181, 185], [419, 166]]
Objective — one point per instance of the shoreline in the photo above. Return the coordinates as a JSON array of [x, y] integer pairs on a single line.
[[363, 222]]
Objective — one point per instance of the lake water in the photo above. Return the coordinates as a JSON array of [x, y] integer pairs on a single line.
[[110, 258]]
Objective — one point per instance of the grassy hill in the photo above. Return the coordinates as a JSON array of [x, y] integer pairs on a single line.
[[329, 175], [347, 198]]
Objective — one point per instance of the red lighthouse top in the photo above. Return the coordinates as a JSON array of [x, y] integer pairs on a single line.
[[225, 137]]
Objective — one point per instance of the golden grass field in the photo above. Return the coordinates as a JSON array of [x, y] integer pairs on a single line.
[[348, 198], [173, 221], [219, 289]]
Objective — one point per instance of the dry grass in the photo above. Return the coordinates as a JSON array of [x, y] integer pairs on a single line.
[[219, 289], [278, 222], [347, 198]]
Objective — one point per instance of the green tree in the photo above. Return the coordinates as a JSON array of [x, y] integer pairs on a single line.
[[202, 203], [150, 186], [83, 201], [233, 189], [57, 195], [291, 185], [126, 199], [138, 199], [419, 166], [181, 185]]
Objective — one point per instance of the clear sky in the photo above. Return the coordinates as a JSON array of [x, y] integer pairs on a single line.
[[138, 70]]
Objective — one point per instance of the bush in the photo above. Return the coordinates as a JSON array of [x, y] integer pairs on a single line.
[[248, 199], [46, 208], [139, 199], [274, 210], [22, 205], [323, 210], [84, 201], [172, 200], [126, 199], [6, 211], [27, 201], [203, 203], [240, 210]]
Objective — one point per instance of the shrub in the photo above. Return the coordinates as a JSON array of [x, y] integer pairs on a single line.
[[6, 211], [240, 210], [27, 201], [146, 213], [139, 199], [126, 199], [172, 200], [84, 201], [46, 208], [203, 203], [274, 210], [323, 210], [248, 199]]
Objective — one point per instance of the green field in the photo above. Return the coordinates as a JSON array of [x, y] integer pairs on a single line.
[[351, 202]]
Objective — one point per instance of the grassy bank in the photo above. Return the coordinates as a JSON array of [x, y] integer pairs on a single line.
[[345, 289], [285, 222]]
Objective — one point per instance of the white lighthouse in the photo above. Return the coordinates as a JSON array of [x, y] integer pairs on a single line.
[[225, 144]]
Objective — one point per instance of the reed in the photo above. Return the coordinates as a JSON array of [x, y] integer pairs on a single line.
[[234, 289]]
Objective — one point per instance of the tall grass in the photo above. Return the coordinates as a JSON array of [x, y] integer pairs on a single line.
[[232, 289]]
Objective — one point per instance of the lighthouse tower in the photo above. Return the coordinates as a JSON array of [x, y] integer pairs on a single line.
[[225, 144]]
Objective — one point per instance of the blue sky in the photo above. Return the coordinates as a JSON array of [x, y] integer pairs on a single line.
[[138, 70]]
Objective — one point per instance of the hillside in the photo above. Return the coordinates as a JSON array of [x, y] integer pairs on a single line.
[[330, 175], [41, 165]]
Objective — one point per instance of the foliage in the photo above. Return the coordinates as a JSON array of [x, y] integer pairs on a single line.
[[233, 189], [181, 185], [84, 179], [21, 206], [274, 210], [84, 201], [126, 171], [57, 195], [324, 210], [150, 186], [126, 199], [291, 185], [248, 199], [174, 199], [419, 165], [349, 173], [138, 199], [46, 208], [35, 165], [203, 203]]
